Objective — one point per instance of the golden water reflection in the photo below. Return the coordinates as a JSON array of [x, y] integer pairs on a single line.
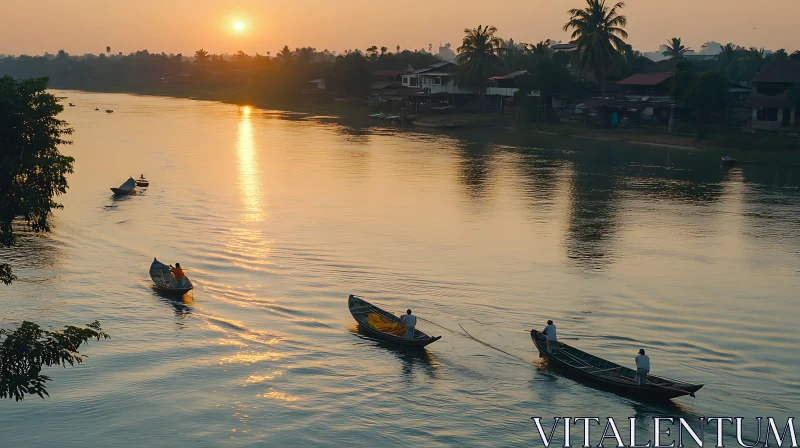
[[249, 179], [275, 395], [259, 378]]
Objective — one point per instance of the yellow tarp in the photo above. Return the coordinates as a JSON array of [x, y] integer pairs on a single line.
[[379, 323]]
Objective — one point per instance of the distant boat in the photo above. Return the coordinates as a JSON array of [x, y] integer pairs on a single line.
[[71, 104], [127, 188], [108, 111], [96, 108], [378, 116], [728, 161], [367, 314], [142, 182], [165, 282], [610, 376]]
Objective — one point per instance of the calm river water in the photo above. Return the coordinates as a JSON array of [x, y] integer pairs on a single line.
[[277, 217]]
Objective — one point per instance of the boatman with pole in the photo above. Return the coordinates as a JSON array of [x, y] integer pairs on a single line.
[[410, 321], [177, 272], [642, 367], [550, 333]]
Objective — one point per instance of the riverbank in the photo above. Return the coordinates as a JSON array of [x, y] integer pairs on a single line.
[[648, 136]]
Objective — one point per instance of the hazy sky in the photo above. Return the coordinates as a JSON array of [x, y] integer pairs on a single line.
[[182, 26]]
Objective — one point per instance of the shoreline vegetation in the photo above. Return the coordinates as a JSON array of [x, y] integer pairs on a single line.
[[596, 86]]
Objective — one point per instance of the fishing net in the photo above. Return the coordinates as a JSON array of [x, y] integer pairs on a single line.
[[380, 323]]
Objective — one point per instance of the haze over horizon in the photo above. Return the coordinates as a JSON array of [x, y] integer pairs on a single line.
[[181, 26]]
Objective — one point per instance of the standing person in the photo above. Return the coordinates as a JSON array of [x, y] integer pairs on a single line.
[[410, 322], [642, 367], [177, 272], [552, 340]]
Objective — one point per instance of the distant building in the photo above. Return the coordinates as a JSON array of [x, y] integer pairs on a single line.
[[567, 47], [769, 100], [446, 53]]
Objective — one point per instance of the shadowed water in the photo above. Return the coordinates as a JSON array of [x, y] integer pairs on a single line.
[[277, 217]]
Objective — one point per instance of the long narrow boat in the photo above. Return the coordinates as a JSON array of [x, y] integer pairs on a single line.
[[361, 310], [165, 282], [127, 188], [610, 376]]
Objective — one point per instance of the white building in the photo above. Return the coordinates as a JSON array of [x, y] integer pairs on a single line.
[[436, 78]]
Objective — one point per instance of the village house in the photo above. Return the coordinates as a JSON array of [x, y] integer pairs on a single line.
[[771, 102], [438, 84]]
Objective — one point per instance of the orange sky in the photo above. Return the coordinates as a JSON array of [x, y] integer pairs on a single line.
[[173, 26]]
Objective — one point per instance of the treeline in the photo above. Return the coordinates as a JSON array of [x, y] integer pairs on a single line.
[[261, 77]]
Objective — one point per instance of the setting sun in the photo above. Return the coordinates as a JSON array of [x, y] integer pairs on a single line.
[[238, 26]]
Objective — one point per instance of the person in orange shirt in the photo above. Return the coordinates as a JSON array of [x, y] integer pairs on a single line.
[[177, 272]]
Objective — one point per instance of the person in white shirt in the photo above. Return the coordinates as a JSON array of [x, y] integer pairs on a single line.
[[642, 367], [550, 333], [410, 322]]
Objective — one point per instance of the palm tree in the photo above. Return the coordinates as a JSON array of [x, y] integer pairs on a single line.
[[729, 58], [675, 49], [511, 53], [598, 33], [541, 49], [478, 57]]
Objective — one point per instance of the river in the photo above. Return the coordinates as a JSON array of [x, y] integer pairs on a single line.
[[277, 217]]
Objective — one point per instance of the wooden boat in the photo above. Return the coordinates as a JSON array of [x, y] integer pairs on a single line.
[[127, 188], [108, 111], [142, 182], [165, 282], [72, 105], [360, 309], [728, 161], [96, 108], [610, 376]]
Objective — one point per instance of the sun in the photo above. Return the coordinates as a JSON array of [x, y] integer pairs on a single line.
[[239, 26]]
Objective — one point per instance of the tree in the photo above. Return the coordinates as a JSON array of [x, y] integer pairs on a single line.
[[780, 55], [201, 57], [24, 351], [729, 58], [479, 56], [675, 49], [708, 94], [795, 55], [383, 51], [372, 52], [511, 53], [598, 33], [351, 75], [285, 55], [32, 170], [541, 49], [545, 78], [682, 81]]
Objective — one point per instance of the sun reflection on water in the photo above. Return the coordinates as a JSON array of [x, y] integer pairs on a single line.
[[275, 395], [251, 358], [259, 378], [249, 180]]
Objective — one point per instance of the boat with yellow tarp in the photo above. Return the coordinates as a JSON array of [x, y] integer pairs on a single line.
[[385, 326]]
